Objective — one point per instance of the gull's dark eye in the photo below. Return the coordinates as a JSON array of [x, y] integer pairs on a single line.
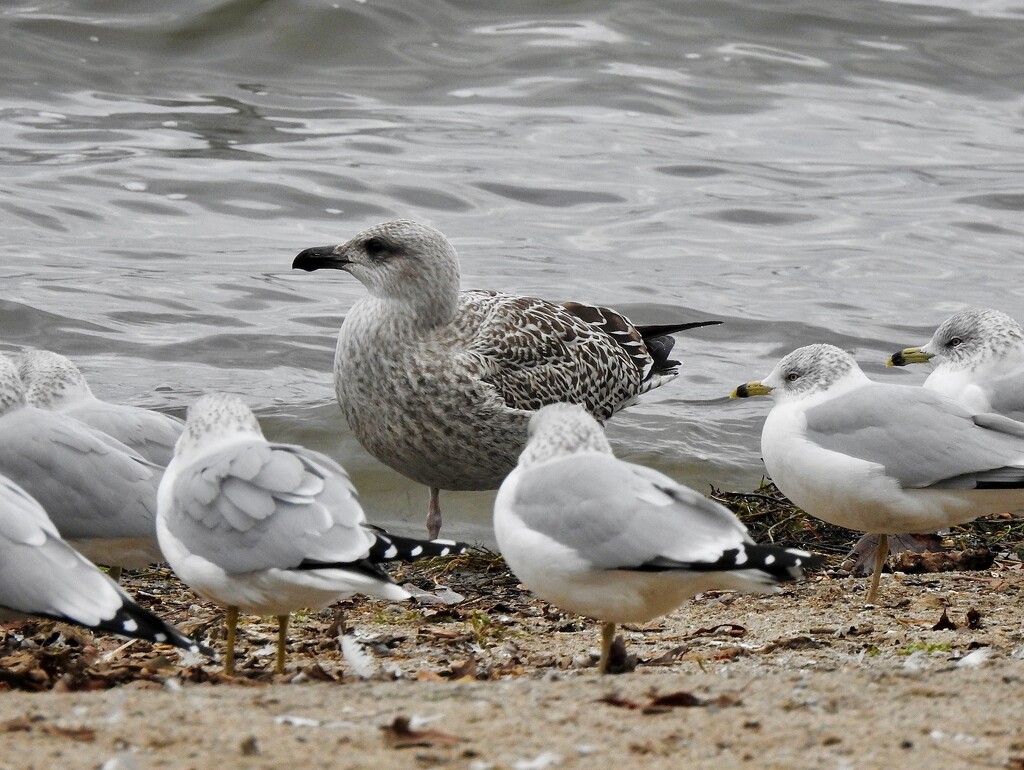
[[955, 342], [375, 247], [792, 377]]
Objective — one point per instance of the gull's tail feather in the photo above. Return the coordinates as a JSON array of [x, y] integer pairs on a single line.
[[659, 341]]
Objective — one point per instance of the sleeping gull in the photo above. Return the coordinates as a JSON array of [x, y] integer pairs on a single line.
[[617, 541], [979, 361], [99, 494], [53, 382], [882, 458], [439, 384], [42, 575], [268, 528]]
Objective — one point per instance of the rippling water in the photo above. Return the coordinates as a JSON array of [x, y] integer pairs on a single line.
[[805, 171]]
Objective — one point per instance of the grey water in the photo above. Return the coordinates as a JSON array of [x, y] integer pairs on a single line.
[[848, 172]]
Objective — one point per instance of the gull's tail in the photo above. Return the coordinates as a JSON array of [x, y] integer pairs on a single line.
[[659, 341]]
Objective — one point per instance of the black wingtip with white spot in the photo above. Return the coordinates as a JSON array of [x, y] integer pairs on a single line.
[[389, 547], [134, 621], [780, 563], [776, 562]]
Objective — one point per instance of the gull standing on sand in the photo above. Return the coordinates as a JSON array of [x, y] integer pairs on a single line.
[[440, 383], [99, 494], [979, 361], [53, 382], [616, 541], [42, 575], [269, 528], [882, 458]]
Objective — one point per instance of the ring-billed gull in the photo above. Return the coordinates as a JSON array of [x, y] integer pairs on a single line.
[[616, 541], [979, 361], [269, 528], [439, 384], [99, 493], [882, 458], [53, 382], [42, 575]]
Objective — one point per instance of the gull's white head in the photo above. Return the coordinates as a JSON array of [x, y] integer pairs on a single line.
[[50, 379], [972, 337], [559, 430], [12, 392], [806, 372], [401, 260], [214, 417]]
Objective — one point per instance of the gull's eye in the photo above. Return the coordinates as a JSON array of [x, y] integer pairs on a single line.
[[374, 247], [955, 342], [792, 377]]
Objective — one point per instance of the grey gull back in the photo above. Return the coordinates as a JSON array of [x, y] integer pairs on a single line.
[[53, 382], [99, 493]]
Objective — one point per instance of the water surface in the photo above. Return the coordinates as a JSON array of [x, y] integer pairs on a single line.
[[848, 172]]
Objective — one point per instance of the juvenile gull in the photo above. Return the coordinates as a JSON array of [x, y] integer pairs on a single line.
[[440, 384], [617, 541], [269, 528], [42, 575], [882, 458], [53, 382], [99, 493], [979, 361]]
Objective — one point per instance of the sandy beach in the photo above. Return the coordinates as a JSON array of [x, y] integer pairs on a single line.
[[809, 677]]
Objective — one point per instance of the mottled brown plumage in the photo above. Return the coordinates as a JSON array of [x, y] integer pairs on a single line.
[[440, 384]]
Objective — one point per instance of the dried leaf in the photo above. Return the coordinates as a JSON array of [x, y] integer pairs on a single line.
[[973, 619], [668, 658], [465, 670], [659, 704], [731, 629], [663, 703], [84, 734], [400, 735], [16, 725], [944, 624]]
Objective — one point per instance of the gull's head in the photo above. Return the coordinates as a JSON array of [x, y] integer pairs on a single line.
[[50, 379], [214, 417], [559, 430], [402, 260], [12, 391], [805, 372], [965, 340]]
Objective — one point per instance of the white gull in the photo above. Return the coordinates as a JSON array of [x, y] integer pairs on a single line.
[[882, 458], [269, 528], [616, 541]]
